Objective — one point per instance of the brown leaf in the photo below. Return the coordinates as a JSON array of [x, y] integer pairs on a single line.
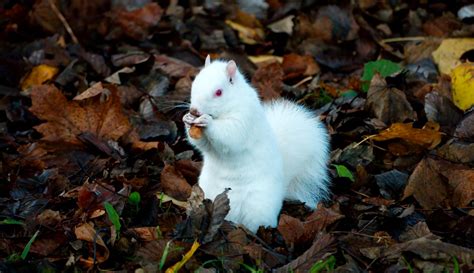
[[462, 183], [174, 184], [268, 79], [295, 66], [322, 246], [66, 120], [47, 245], [425, 176], [442, 110], [425, 137], [92, 91], [86, 232], [465, 128], [388, 104], [49, 218], [419, 230], [290, 228], [320, 219], [457, 151], [137, 23], [220, 209], [145, 233], [442, 26], [174, 67], [428, 249], [450, 184]]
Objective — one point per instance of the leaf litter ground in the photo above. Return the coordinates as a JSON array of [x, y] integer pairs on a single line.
[[96, 173]]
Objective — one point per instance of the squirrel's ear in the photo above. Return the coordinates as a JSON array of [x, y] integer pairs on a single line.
[[231, 69], [208, 60]]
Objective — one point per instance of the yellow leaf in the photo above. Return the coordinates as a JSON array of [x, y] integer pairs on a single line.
[[247, 35], [265, 58], [449, 51], [39, 75], [185, 258], [428, 136], [462, 79]]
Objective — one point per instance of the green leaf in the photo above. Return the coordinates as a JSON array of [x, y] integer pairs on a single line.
[[10, 221], [383, 67], [327, 265], [25, 251], [134, 198], [349, 94], [343, 171], [113, 216]]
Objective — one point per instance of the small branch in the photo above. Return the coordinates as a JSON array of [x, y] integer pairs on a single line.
[[403, 39], [63, 20]]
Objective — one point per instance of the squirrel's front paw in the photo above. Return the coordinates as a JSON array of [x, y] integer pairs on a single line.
[[202, 121], [189, 119]]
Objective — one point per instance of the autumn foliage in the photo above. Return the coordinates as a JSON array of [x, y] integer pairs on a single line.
[[96, 173]]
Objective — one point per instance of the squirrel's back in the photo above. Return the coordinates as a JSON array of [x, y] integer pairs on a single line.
[[304, 144]]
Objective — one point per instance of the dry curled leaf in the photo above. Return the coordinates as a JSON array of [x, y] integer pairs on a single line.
[[425, 137], [268, 79], [174, 184], [66, 120], [86, 232], [39, 75]]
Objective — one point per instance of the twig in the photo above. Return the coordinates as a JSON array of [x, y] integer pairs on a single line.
[[63, 20], [403, 39], [302, 81]]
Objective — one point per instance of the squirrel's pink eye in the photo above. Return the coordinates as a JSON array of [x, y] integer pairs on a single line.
[[218, 93]]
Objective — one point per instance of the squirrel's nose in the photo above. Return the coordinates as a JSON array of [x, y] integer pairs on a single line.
[[194, 112]]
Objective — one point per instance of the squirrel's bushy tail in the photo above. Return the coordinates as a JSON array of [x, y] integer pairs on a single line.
[[304, 143]]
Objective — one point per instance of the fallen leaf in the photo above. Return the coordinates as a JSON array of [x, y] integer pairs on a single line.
[[425, 177], [428, 249], [295, 66], [136, 23], [388, 104], [174, 67], [292, 229], [65, 120], [321, 247], [449, 184], [174, 184], [462, 78], [39, 75], [49, 218], [220, 209], [465, 128], [92, 91], [265, 59], [284, 25], [457, 151], [248, 35], [442, 26], [391, 183], [320, 219], [442, 110], [268, 79], [425, 137], [448, 54], [462, 183], [146, 233], [86, 232]]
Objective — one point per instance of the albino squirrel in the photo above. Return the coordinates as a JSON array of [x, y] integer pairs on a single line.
[[264, 153]]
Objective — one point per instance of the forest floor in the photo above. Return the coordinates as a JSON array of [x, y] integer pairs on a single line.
[[96, 172]]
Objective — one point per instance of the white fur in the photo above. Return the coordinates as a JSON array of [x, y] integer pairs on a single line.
[[264, 153]]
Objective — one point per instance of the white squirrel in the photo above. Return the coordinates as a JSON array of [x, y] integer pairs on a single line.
[[265, 153]]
